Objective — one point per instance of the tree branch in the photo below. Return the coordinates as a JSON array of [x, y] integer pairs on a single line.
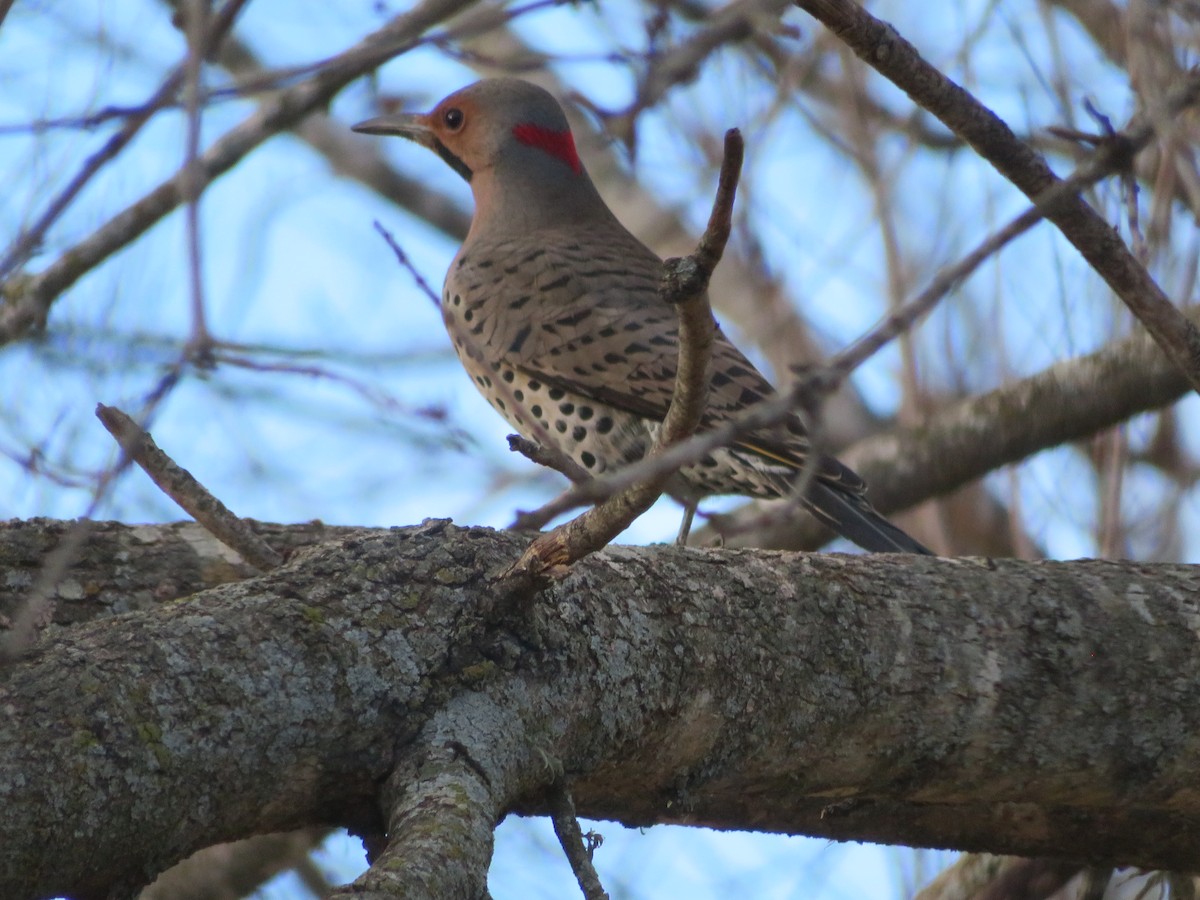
[[880, 46], [181, 486], [566, 828]]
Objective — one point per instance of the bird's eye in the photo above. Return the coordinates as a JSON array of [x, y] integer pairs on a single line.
[[453, 118]]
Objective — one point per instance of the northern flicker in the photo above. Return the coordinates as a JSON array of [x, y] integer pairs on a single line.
[[554, 311]]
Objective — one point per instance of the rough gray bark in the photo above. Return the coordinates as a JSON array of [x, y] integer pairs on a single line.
[[380, 682]]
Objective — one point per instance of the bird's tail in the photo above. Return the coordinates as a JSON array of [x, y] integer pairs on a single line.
[[851, 516]]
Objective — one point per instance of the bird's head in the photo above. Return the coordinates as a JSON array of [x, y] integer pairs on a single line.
[[499, 124]]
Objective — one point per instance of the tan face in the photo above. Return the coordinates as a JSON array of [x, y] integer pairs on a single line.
[[454, 130], [472, 128]]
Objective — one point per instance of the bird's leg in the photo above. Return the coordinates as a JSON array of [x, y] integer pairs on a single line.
[[689, 513]]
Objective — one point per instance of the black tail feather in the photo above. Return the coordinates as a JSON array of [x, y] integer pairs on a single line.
[[854, 519]]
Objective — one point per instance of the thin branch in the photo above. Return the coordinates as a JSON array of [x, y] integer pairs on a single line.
[[684, 285], [881, 47], [182, 487], [579, 853], [196, 16], [402, 258], [552, 458]]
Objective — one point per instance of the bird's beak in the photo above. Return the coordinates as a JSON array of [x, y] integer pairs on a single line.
[[415, 127]]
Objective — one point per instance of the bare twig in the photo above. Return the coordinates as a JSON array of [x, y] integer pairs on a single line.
[[196, 16], [184, 489], [878, 44], [684, 285], [402, 258], [551, 458], [566, 827]]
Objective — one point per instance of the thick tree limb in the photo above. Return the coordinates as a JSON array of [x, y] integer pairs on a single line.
[[919, 701]]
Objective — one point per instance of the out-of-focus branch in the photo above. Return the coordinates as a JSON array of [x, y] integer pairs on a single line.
[[196, 28], [25, 243], [880, 46], [1073, 399], [232, 871], [983, 876], [277, 113], [733, 23]]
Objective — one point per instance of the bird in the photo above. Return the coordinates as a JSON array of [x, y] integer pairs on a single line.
[[554, 310]]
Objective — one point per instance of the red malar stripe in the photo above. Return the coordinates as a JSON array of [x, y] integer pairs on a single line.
[[558, 144]]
